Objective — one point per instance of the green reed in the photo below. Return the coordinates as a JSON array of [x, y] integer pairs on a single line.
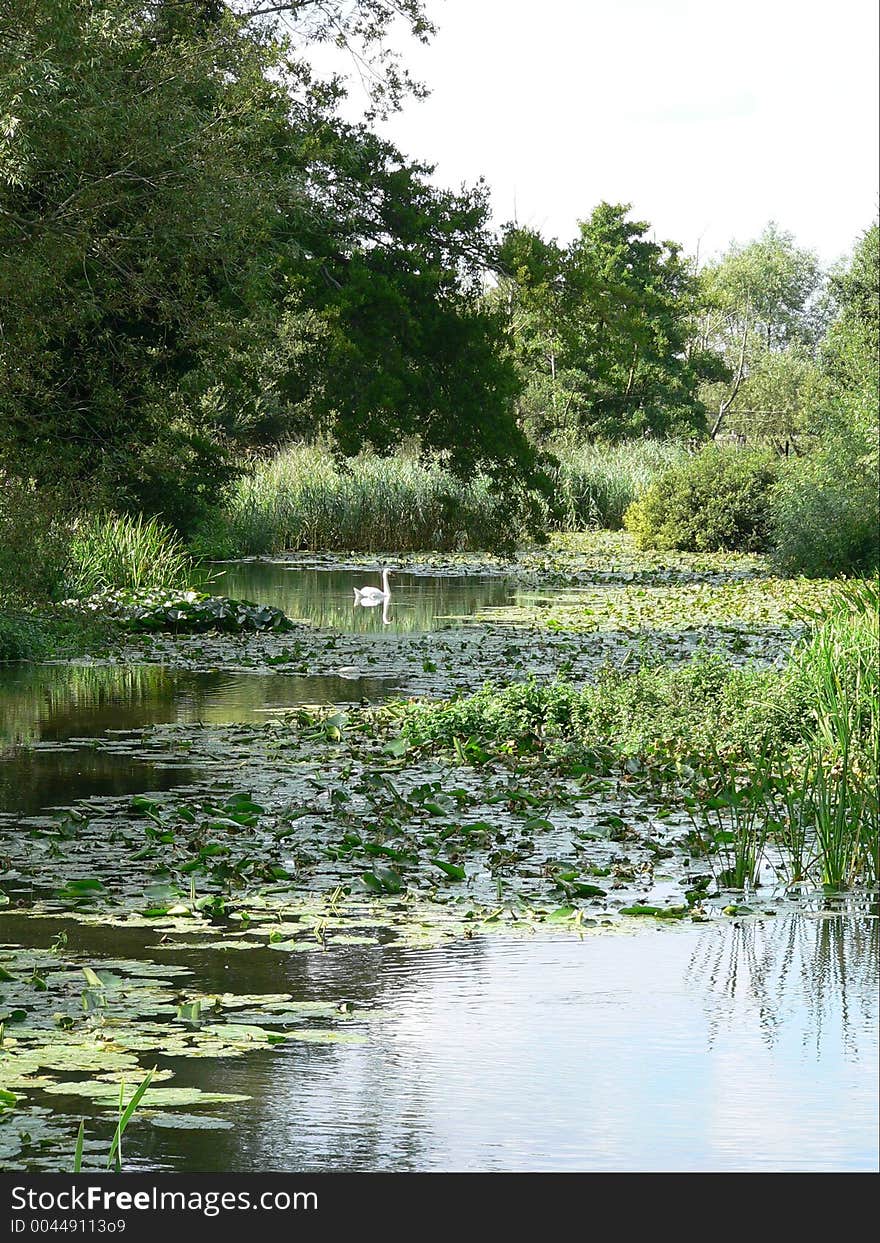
[[111, 551]]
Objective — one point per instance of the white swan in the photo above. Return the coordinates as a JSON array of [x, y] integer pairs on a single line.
[[368, 596]]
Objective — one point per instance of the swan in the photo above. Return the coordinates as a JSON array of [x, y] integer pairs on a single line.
[[374, 595]]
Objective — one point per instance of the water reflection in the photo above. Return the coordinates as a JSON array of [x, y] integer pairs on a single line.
[[59, 702], [32, 780], [419, 603], [822, 965], [373, 602], [610, 1053]]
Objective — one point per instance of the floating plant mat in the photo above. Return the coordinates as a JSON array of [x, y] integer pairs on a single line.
[[77, 1032], [322, 830], [504, 646]]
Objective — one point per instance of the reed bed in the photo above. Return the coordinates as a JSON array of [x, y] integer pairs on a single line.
[[596, 484], [304, 499]]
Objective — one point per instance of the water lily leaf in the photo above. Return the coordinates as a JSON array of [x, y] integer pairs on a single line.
[[186, 1122], [108, 1094], [452, 870]]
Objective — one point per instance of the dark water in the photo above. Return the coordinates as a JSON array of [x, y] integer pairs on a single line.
[[34, 779], [732, 1048], [418, 603], [56, 703]]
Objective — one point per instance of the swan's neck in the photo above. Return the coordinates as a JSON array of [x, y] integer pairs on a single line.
[[385, 581]]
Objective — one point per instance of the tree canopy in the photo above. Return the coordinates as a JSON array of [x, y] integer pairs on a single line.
[[763, 312], [602, 327], [197, 256]]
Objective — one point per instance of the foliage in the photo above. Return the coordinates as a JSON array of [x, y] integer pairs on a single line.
[[110, 551], [188, 612], [200, 256], [783, 398], [827, 510], [21, 638], [600, 329], [718, 499], [760, 299], [34, 541]]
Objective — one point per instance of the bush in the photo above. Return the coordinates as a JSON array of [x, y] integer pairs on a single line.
[[21, 638], [719, 500], [110, 553], [825, 513], [34, 541]]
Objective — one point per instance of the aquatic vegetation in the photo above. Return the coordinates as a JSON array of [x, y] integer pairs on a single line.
[[641, 775], [187, 612], [112, 551], [126, 1111]]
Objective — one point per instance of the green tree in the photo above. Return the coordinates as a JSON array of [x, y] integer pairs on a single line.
[[198, 257], [827, 510], [602, 329], [760, 300]]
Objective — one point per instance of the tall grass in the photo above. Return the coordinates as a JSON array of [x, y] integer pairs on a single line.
[[840, 663], [304, 499], [596, 484], [110, 551]]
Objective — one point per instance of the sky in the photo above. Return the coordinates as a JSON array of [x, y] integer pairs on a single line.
[[709, 117]]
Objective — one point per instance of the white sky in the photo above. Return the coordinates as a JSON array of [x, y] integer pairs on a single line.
[[710, 118]]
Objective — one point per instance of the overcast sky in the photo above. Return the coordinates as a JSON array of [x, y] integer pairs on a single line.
[[710, 118]]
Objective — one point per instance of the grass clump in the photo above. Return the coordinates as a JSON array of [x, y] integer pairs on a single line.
[[116, 552], [718, 500]]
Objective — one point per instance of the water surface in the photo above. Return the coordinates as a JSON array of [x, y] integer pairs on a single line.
[[419, 603], [746, 1047]]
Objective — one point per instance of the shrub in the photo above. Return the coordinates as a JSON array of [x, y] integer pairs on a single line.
[[21, 638], [825, 517], [34, 541], [718, 500]]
